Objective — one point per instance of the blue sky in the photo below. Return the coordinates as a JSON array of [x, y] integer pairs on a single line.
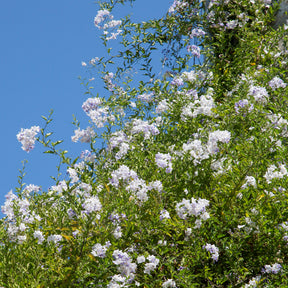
[[42, 46]]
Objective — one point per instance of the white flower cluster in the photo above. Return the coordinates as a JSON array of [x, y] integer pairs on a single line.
[[164, 161], [169, 283], [201, 106], [193, 207], [197, 151], [119, 140], [31, 188], [22, 205], [200, 151], [125, 265], [250, 181], [260, 94], [213, 250], [242, 105], [162, 106], [73, 175], [164, 214], [39, 235], [177, 6], [59, 188], [136, 185], [91, 204], [98, 114], [104, 20], [275, 268], [152, 265], [100, 251], [144, 127], [85, 135], [27, 137], [272, 172], [54, 238], [276, 83], [253, 282], [215, 137]]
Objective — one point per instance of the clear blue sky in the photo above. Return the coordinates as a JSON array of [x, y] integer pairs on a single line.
[[42, 46]]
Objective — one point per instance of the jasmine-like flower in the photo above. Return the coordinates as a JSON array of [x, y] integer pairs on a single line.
[[39, 235], [213, 250], [91, 204], [169, 283], [152, 265], [164, 161], [164, 214], [275, 268], [276, 83], [54, 238], [99, 251], [195, 50], [27, 137]]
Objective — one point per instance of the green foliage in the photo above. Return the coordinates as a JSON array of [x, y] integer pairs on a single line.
[[190, 157]]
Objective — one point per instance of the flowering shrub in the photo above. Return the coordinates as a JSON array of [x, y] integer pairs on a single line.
[[189, 187]]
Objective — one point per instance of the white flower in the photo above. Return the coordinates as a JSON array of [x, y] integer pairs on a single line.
[[54, 238], [164, 214], [140, 259], [169, 283], [91, 204], [204, 106], [122, 173], [276, 83], [21, 239], [275, 268], [162, 106], [85, 135], [149, 267], [73, 174], [213, 250], [250, 181], [192, 207], [260, 94], [98, 250], [164, 161], [272, 173], [39, 235], [27, 137], [117, 233]]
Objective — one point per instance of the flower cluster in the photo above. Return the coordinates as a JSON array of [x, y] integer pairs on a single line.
[[124, 262], [151, 265], [201, 106], [213, 250], [98, 114], [100, 251], [260, 94], [27, 137], [241, 106], [272, 173], [177, 5], [276, 83], [104, 20], [193, 207], [85, 135], [121, 141], [144, 127], [194, 50], [275, 268], [136, 185], [164, 161]]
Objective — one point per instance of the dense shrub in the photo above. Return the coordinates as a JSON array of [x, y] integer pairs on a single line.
[[189, 187]]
